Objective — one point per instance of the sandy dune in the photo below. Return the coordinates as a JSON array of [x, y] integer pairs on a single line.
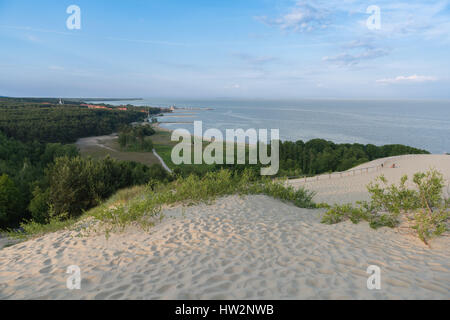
[[241, 248], [352, 186], [236, 248]]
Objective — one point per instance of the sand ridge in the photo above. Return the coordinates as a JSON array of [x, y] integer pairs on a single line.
[[352, 187]]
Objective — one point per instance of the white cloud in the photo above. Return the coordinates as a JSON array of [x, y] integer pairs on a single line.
[[407, 79], [429, 19], [349, 59], [233, 86], [356, 52], [304, 17]]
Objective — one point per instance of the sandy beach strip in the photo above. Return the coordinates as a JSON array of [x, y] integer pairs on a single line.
[[189, 115], [176, 122]]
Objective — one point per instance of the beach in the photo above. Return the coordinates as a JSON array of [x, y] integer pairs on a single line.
[[252, 247]]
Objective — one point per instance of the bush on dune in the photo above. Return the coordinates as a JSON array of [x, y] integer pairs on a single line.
[[424, 205]]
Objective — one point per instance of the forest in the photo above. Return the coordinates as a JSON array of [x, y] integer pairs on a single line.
[[29, 121], [41, 175]]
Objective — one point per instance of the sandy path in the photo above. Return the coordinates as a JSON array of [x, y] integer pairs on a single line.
[[4, 242], [164, 165], [98, 141], [252, 248], [353, 188]]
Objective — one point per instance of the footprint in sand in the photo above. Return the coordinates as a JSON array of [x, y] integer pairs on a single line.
[[45, 270], [397, 283], [164, 288]]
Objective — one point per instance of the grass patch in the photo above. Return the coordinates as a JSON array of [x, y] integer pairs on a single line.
[[111, 147], [165, 152], [33, 229]]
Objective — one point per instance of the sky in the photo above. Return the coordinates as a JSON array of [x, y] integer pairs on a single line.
[[252, 49]]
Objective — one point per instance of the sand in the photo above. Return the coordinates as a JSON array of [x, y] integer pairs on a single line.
[[5, 242], [352, 186], [235, 248]]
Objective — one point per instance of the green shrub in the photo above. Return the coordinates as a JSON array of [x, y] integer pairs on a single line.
[[430, 224], [391, 198], [339, 213], [430, 185], [9, 201], [32, 228], [300, 197], [39, 205], [388, 202], [433, 218]]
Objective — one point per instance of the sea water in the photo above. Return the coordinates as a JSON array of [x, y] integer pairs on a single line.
[[421, 124]]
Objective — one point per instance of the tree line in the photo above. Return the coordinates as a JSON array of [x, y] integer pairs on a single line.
[[46, 122], [320, 156], [136, 138], [62, 124], [298, 159]]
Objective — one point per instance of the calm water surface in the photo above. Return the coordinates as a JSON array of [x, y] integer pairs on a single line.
[[421, 124]]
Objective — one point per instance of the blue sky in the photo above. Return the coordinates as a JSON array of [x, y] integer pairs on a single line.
[[236, 48]]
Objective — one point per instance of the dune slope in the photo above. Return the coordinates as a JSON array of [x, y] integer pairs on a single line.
[[236, 248], [351, 187]]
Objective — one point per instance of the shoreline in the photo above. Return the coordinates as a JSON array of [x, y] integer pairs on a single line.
[[157, 125]]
